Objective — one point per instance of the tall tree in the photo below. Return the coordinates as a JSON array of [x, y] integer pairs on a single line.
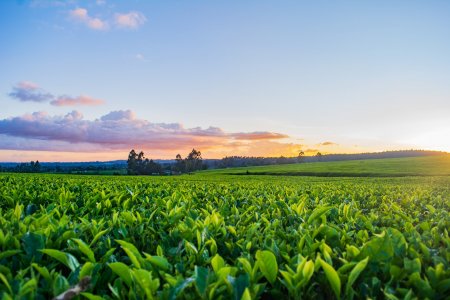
[[301, 156], [132, 163], [319, 156], [194, 161], [179, 164]]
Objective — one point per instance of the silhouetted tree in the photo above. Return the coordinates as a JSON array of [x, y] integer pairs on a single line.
[[319, 156], [180, 165], [132, 163], [137, 164], [36, 167], [194, 161], [301, 156]]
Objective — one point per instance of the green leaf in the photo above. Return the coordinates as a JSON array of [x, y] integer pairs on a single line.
[[60, 285], [98, 236], [317, 213], [132, 252], [5, 281], [412, 265], [85, 249], [379, 249], [268, 265], [9, 253], [239, 285], [123, 271], [32, 243], [217, 263], [86, 270], [332, 276], [246, 295], [201, 280], [360, 266], [43, 271], [159, 261], [308, 270], [28, 287], [65, 258], [91, 296], [175, 291]]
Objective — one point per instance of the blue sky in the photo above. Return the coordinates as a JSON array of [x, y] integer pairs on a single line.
[[231, 77]]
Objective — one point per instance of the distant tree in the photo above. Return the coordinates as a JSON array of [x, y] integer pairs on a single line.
[[137, 164], [152, 168], [140, 163], [282, 160], [319, 156], [301, 156], [132, 163], [180, 165], [36, 167], [194, 161]]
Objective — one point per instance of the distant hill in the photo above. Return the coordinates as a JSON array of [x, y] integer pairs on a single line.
[[242, 161], [434, 165]]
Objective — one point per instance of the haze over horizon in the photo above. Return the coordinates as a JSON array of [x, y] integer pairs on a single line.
[[90, 80]]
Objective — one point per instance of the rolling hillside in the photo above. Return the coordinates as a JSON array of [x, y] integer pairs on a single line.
[[411, 166]]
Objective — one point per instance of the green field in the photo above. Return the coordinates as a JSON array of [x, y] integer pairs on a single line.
[[218, 236], [390, 167]]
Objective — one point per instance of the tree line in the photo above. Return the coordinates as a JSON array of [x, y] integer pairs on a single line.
[[138, 164], [31, 167]]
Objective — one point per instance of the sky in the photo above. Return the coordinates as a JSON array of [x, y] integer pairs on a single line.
[[91, 80]]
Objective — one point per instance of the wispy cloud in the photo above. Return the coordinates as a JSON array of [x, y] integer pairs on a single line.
[[328, 144], [27, 91], [259, 135], [81, 15], [141, 57], [119, 130], [131, 20], [76, 101]]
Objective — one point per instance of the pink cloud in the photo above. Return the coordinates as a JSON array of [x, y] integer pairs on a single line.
[[81, 15], [132, 20], [75, 101], [119, 130], [26, 91]]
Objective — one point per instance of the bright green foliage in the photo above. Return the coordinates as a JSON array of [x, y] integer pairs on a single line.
[[332, 276], [211, 236], [267, 262]]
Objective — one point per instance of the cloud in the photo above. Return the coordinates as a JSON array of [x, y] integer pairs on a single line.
[[328, 144], [76, 101], [141, 57], [311, 151], [259, 135], [131, 20], [26, 91], [122, 130], [119, 115], [81, 15]]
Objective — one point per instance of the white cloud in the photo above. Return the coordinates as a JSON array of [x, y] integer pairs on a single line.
[[131, 20]]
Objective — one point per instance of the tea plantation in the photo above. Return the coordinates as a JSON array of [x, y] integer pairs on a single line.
[[224, 237]]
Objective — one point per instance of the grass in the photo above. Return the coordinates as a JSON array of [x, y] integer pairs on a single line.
[[391, 167]]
